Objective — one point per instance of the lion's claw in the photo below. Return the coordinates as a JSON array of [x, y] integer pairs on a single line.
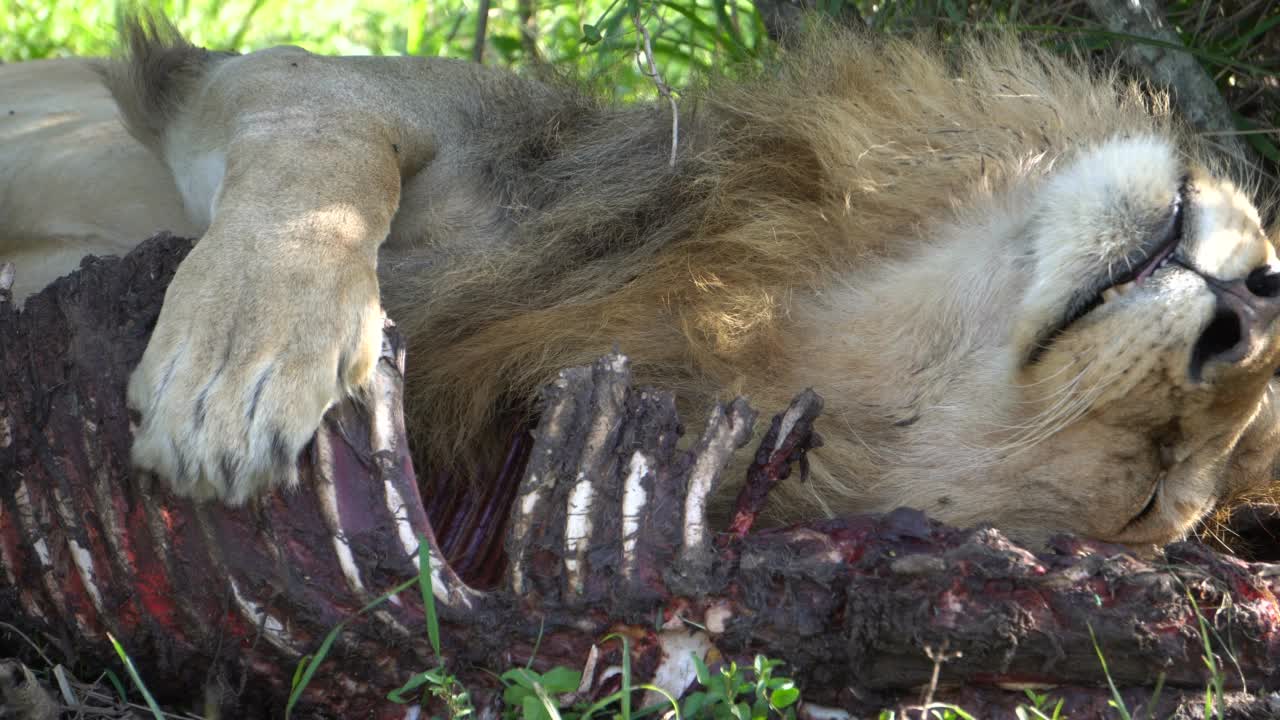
[[237, 375]]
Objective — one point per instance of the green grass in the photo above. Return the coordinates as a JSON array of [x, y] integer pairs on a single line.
[[1237, 42], [687, 35]]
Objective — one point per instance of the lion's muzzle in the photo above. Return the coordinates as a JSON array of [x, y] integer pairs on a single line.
[[1241, 328]]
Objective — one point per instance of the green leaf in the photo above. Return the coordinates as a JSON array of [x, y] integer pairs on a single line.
[[514, 695], [784, 697], [1264, 147], [1205, 55], [693, 704], [506, 45], [700, 667], [591, 34], [1244, 41], [690, 13], [548, 706], [948, 711], [520, 676], [415, 682], [533, 709], [561, 680], [297, 672], [1155, 695]]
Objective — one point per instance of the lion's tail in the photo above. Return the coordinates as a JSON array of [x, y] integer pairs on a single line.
[[154, 72]]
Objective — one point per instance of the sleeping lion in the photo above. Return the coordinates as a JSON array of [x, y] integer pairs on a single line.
[[1026, 293]]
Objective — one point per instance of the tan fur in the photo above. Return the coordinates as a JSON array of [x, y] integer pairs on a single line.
[[898, 226], [72, 183], [152, 87]]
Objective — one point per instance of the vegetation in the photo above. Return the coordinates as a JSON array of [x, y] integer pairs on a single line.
[[686, 34], [1237, 41]]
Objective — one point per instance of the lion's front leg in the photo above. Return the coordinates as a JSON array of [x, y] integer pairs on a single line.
[[274, 316]]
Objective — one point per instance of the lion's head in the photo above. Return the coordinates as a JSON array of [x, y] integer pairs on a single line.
[[1145, 343], [1091, 349]]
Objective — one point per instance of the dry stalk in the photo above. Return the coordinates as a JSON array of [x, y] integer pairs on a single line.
[[644, 46]]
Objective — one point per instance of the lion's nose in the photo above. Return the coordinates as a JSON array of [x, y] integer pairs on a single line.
[[1242, 321]]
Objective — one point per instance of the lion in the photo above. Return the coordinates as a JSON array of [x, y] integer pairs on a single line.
[[1027, 293]]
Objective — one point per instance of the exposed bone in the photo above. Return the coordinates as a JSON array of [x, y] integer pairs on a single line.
[[540, 477], [725, 433], [610, 379], [789, 437], [634, 498], [6, 282]]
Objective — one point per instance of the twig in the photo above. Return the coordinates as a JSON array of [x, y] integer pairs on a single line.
[[482, 27], [664, 90], [457, 26], [6, 627], [938, 657]]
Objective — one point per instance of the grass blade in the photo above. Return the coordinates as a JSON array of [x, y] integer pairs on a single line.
[[310, 663], [1116, 699], [152, 705], [311, 667], [626, 672], [428, 594]]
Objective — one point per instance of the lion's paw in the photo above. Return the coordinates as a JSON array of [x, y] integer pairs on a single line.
[[241, 369]]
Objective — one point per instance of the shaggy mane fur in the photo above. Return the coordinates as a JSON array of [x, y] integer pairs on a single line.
[[843, 156]]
